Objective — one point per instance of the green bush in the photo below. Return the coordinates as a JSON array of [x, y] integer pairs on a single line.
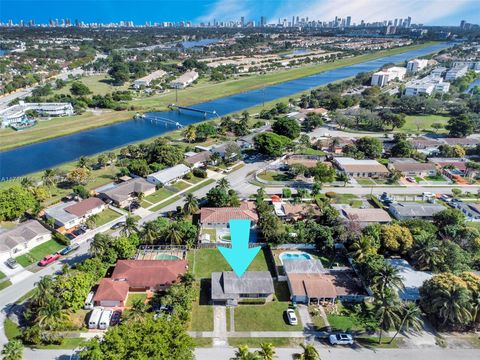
[[200, 173], [188, 176], [62, 239], [330, 194]]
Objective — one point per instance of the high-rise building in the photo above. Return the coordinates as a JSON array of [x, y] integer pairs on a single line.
[[408, 22], [462, 24], [293, 20], [242, 21], [349, 21], [263, 21]]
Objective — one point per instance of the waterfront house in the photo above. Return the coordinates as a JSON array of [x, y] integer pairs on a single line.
[[169, 175]]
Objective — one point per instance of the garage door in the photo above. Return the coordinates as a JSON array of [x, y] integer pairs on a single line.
[[107, 303]]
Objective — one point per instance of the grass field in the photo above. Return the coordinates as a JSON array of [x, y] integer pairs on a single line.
[[12, 330], [67, 343], [38, 252], [2, 275], [5, 284], [203, 342], [106, 216], [202, 312], [256, 342], [98, 85], [419, 123], [132, 297], [206, 261], [158, 195]]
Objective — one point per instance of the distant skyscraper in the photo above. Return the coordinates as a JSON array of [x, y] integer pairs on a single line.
[[349, 21], [462, 24], [242, 21], [293, 20], [263, 21], [408, 22]]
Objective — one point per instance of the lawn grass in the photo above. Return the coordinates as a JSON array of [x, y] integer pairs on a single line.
[[106, 216], [5, 284], [202, 342], [39, 252], [256, 342], [365, 181], [12, 330], [158, 195], [98, 85], [67, 343], [419, 123], [181, 185], [132, 297], [372, 342], [205, 261], [274, 176], [2, 275], [26, 296], [202, 312], [194, 179]]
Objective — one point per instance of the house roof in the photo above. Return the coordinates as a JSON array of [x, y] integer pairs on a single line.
[[199, 157], [412, 279], [307, 266], [366, 215], [246, 211], [353, 165], [112, 290], [169, 174], [124, 190], [20, 234], [413, 166], [413, 209], [59, 213], [227, 285], [461, 141], [423, 142], [84, 206], [299, 209], [149, 273]]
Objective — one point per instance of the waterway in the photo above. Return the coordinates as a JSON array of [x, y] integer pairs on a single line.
[[50, 153], [474, 83]]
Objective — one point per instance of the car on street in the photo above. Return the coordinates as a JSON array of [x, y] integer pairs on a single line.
[[69, 249], [11, 263], [411, 179], [49, 259], [118, 225], [115, 318], [292, 317], [340, 339]]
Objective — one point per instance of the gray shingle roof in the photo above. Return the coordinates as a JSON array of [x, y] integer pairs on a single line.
[[296, 266], [24, 232], [227, 285]]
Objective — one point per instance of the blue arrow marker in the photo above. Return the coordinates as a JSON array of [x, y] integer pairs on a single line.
[[239, 256]]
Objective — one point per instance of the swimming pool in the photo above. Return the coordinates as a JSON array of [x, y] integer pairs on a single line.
[[166, 257], [294, 255]]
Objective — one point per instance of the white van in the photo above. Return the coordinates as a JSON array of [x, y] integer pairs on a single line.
[[94, 318], [104, 322], [89, 301]]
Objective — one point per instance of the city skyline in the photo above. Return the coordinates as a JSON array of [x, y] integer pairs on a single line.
[[434, 12]]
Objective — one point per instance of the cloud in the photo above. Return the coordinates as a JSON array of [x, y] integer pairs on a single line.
[[225, 10], [421, 11]]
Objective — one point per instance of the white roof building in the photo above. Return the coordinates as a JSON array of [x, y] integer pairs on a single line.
[[167, 176], [427, 85], [184, 80], [456, 72], [146, 80], [416, 65], [16, 112], [381, 78]]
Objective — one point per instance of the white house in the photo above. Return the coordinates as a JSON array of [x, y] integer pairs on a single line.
[[70, 214], [22, 238], [184, 80], [416, 65], [15, 113], [167, 176], [427, 85], [381, 78], [456, 72], [146, 80], [361, 168]]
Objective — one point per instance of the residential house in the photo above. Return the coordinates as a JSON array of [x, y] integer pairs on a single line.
[[412, 279], [309, 161], [22, 238], [470, 210], [169, 175], [220, 217], [197, 160], [361, 168], [412, 167], [465, 142], [335, 145], [111, 293], [364, 217], [227, 288], [184, 80], [69, 214], [123, 194], [425, 145], [293, 212], [413, 210], [147, 80]]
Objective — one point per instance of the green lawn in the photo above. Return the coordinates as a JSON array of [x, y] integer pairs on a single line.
[[275, 176], [372, 342], [202, 312], [203, 342], [132, 297], [67, 343], [38, 252], [365, 181], [181, 185], [98, 85], [310, 151], [12, 330], [419, 123], [106, 216], [158, 195], [5, 284], [2, 275], [194, 179], [256, 342], [211, 260]]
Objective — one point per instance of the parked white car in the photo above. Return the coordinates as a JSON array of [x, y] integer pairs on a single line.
[[340, 339], [292, 317]]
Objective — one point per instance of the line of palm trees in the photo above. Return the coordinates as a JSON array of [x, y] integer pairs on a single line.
[[267, 352]]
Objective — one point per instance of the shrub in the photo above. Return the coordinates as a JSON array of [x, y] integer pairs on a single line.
[[330, 194], [188, 176], [201, 173], [62, 239]]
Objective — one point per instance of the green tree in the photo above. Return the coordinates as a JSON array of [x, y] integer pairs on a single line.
[[130, 226], [286, 126], [323, 173], [271, 144], [15, 201], [119, 73], [396, 239], [267, 351], [52, 315], [410, 314], [243, 353], [387, 311], [79, 175], [309, 352], [79, 89], [387, 278], [13, 350], [460, 126], [50, 177], [137, 312], [190, 133], [448, 217], [370, 146], [190, 205]]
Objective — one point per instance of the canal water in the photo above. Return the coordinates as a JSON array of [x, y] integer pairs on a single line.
[[50, 153]]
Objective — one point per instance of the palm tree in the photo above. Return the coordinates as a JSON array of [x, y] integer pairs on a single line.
[[13, 350], [150, 232], [387, 312], [215, 158], [190, 205], [362, 247], [174, 235], [91, 222], [50, 177], [387, 278], [242, 353], [429, 253], [137, 311], [223, 183], [140, 196], [267, 351], [410, 313], [99, 245], [52, 314], [452, 305], [130, 226], [261, 193], [309, 353], [27, 183], [43, 288], [84, 162], [343, 177], [190, 133]]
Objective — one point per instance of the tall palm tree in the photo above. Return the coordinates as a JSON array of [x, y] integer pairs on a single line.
[[130, 226], [27, 183], [309, 353], [50, 177], [362, 247], [137, 311], [140, 196], [267, 351], [223, 183], [452, 305], [344, 178], [174, 235], [99, 245], [13, 350], [190, 133], [44, 287], [190, 205], [410, 314], [150, 232], [387, 278], [84, 162], [242, 353], [52, 314], [387, 312], [429, 254]]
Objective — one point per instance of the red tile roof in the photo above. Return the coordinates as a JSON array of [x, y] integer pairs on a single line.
[[246, 211], [82, 207], [111, 290], [149, 273]]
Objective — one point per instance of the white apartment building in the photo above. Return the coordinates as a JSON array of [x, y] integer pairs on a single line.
[[184, 80], [146, 80], [15, 113], [472, 65], [456, 72], [381, 78], [416, 65], [427, 85]]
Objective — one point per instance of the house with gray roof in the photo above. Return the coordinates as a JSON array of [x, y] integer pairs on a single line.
[[70, 214], [307, 266], [412, 279], [169, 175], [229, 289], [123, 194], [22, 238], [413, 210]]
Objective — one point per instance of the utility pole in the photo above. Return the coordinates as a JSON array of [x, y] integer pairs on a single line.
[[176, 95]]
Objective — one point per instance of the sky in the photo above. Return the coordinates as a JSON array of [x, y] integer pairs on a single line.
[[430, 12]]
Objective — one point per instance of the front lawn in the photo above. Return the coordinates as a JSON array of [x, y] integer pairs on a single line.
[[132, 297], [5, 284], [202, 312], [39, 252], [67, 343], [256, 342], [158, 195], [106, 216], [12, 330], [2, 275], [181, 185], [275, 176], [202, 342], [205, 261], [418, 123]]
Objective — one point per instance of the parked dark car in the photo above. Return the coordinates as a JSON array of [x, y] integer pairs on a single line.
[[115, 318], [69, 249], [117, 225]]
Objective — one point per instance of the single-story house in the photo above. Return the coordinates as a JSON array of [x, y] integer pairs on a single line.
[[200, 159], [361, 168], [246, 142], [470, 210], [364, 217], [335, 144], [71, 214], [111, 293], [123, 194], [412, 279], [220, 217], [302, 266], [425, 145], [465, 142], [413, 210], [325, 286], [143, 275], [184, 80], [411, 167], [169, 175], [305, 160], [229, 289], [22, 238], [294, 212], [146, 80]]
